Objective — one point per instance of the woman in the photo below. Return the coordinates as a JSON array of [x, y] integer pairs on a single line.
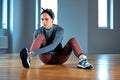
[[47, 44]]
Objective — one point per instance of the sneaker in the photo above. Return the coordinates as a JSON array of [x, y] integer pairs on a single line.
[[25, 58], [83, 63]]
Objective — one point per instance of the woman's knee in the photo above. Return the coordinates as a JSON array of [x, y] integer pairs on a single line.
[[72, 39], [40, 36]]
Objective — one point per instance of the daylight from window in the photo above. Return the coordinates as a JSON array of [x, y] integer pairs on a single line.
[[4, 14], [102, 13], [105, 14]]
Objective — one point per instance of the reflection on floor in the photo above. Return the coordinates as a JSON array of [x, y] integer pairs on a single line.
[[106, 67]]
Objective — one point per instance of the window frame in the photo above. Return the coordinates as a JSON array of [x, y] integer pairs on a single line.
[[110, 15]]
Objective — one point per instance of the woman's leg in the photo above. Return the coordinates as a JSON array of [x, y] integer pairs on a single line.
[[27, 56], [58, 57], [38, 42], [72, 45], [61, 57]]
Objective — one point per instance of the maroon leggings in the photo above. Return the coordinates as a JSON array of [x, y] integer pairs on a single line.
[[56, 57]]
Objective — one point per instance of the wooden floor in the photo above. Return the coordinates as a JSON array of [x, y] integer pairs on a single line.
[[106, 67]]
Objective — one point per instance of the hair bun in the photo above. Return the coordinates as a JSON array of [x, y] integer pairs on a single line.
[[49, 12]]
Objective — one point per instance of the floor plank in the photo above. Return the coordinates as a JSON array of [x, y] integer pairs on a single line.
[[106, 67]]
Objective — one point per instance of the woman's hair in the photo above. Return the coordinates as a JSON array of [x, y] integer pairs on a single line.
[[49, 12]]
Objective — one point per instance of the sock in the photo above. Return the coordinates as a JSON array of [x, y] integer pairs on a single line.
[[82, 57]]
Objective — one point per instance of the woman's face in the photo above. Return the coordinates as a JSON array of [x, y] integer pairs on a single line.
[[47, 21]]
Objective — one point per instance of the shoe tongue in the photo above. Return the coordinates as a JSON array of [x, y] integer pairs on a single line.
[[84, 61]]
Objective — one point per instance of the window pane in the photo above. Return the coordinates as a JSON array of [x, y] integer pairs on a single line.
[[4, 14], [102, 13]]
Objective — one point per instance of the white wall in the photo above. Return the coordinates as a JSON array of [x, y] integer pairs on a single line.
[[72, 16]]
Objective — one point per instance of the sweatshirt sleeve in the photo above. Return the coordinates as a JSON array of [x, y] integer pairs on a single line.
[[57, 39]]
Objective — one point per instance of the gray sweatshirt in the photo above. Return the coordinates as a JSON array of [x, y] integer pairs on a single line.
[[53, 37]]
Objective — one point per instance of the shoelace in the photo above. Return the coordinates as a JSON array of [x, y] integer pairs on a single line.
[[84, 62]]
